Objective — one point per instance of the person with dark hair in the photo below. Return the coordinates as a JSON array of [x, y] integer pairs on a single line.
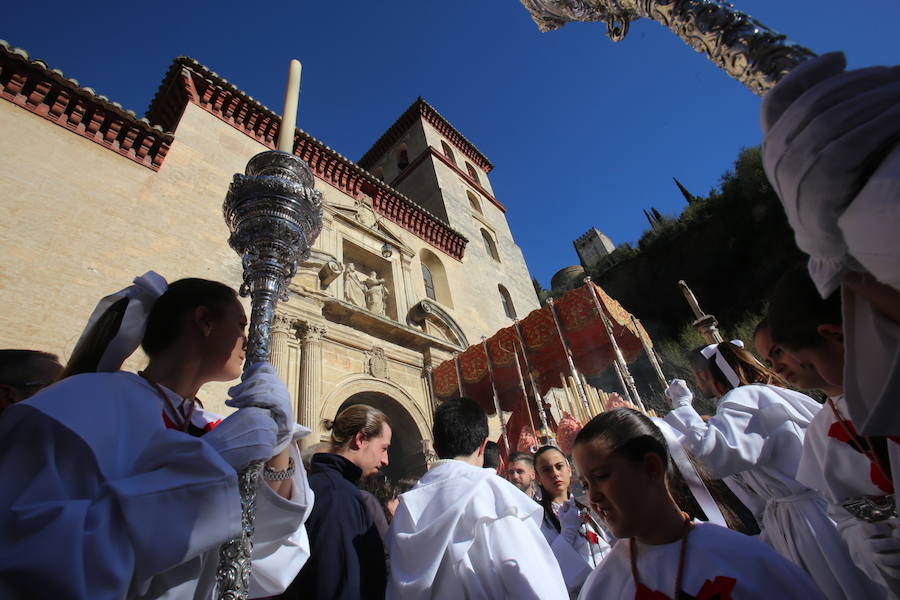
[[758, 432], [578, 542], [492, 456], [624, 461], [23, 373], [800, 374], [520, 473], [120, 485], [461, 532], [851, 471], [347, 557]]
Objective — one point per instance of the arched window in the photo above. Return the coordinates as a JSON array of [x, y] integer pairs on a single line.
[[434, 276], [489, 245], [473, 201], [448, 152], [472, 172], [429, 282], [507, 302], [402, 158]]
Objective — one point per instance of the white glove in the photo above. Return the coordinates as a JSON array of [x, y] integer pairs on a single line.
[[886, 552], [260, 386], [243, 437], [679, 394], [569, 521]]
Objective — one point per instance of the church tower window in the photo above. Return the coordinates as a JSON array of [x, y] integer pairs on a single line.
[[402, 158], [472, 172], [489, 245], [473, 202], [429, 282], [508, 308], [448, 152]]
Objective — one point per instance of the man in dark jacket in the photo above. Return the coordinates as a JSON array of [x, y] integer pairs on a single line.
[[347, 559]]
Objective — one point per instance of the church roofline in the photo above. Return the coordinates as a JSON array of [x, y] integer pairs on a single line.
[[421, 109], [190, 81], [48, 93]]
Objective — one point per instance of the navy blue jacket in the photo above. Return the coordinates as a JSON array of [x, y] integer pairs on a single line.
[[347, 558]]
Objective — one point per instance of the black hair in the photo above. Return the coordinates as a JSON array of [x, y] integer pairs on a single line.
[[381, 487], [796, 309], [491, 455], [163, 324], [520, 457], [696, 359], [627, 432], [15, 364], [546, 500], [460, 427]]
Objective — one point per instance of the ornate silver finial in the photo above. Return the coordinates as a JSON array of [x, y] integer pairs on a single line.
[[274, 215], [743, 47]]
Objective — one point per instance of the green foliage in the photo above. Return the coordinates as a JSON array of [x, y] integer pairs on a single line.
[[541, 292]]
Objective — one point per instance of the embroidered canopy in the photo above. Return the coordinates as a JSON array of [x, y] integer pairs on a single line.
[[543, 351]]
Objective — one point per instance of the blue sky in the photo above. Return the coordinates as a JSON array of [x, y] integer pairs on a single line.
[[582, 132]]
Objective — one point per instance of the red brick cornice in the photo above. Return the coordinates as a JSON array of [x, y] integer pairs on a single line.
[[50, 95], [421, 109], [190, 81]]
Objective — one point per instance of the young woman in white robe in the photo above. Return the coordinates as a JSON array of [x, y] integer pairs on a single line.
[[578, 543], [661, 553], [119, 485], [758, 431], [851, 471]]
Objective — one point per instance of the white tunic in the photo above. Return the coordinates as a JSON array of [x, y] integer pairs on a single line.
[[839, 472], [738, 566], [463, 532], [575, 561], [758, 431], [100, 500]]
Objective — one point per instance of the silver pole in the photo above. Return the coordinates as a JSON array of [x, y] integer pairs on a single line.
[[274, 215], [459, 381], [534, 389], [651, 354]]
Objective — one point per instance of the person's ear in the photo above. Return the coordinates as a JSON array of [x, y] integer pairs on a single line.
[[654, 467], [357, 442], [831, 332], [203, 320]]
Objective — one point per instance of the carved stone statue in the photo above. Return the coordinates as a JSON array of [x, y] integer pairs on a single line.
[[376, 294], [354, 286]]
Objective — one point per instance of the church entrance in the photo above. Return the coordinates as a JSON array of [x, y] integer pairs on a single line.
[[405, 456]]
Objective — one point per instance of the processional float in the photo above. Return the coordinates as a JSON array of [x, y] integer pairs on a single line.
[[274, 215]]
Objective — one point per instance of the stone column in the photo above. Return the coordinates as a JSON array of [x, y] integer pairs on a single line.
[[281, 330], [310, 335]]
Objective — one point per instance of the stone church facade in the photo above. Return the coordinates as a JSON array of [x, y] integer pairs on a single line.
[[414, 263]]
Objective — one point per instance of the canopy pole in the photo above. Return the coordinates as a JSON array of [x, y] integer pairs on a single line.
[[650, 352], [534, 389], [524, 394], [628, 380], [490, 367], [562, 338], [459, 382]]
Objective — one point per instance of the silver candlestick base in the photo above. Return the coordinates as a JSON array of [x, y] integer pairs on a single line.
[[274, 214], [743, 47]]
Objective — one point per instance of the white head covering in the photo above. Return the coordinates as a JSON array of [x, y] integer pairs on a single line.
[[713, 350], [141, 298]]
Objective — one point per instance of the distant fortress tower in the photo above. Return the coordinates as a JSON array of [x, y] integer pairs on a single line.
[[592, 246]]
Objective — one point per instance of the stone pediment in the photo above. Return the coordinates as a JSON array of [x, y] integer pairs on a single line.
[[362, 217]]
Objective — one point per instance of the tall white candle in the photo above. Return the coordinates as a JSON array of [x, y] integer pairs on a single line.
[[289, 115]]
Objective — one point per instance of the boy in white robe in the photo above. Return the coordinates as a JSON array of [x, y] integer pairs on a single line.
[[462, 532], [758, 430]]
